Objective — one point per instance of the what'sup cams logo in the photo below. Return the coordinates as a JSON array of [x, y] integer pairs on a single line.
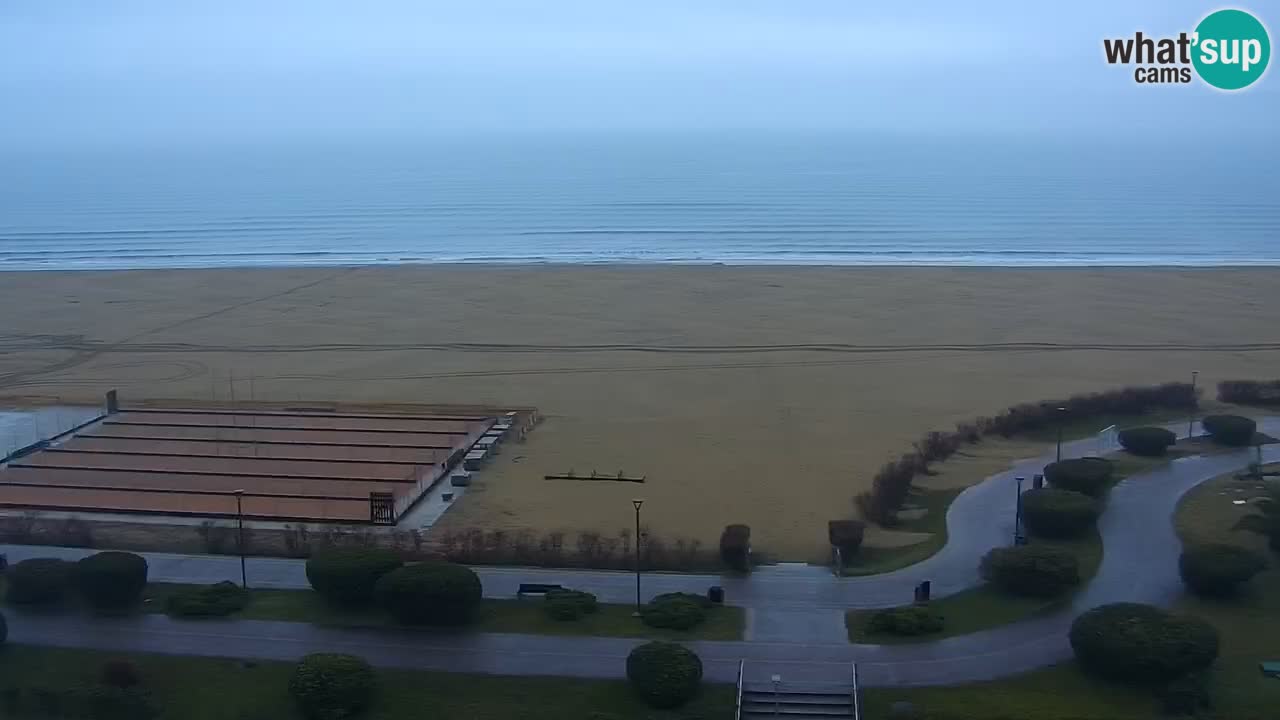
[[1229, 50]]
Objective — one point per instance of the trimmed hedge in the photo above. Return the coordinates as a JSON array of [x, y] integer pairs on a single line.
[[1131, 642], [1088, 475], [569, 604], [39, 581], [112, 580], [675, 611], [1147, 441], [1053, 513], [331, 686], [1217, 570], [846, 535], [907, 621], [348, 576], [217, 600], [1233, 430], [430, 593], [1031, 570], [1250, 392], [891, 485], [735, 547], [664, 675]]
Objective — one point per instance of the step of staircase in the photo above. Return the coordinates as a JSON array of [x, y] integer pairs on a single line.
[[796, 700]]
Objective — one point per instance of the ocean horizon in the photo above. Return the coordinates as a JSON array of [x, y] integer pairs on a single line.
[[736, 199]]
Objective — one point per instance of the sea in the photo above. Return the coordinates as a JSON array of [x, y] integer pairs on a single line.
[[731, 198]]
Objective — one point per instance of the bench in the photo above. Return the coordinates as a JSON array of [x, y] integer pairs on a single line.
[[537, 589]]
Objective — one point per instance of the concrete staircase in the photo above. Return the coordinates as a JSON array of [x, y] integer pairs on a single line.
[[797, 700]]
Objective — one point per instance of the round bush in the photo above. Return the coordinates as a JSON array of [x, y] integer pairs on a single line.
[[1089, 475], [431, 593], [1233, 430], [39, 581], [664, 674], [1031, 570], [1054, 513], [1147, 441], [1217, 570], [329, 686], [569, 604], [348, 576], [218, 600], [1131, 642], [907, 621], [675, 611], [112, 580]]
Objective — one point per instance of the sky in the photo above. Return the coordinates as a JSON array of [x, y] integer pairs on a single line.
[[77, 71]]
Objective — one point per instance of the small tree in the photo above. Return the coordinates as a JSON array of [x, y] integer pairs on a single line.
[[1031, 570], [1054, 513], [1217, 570], [430, 593], [1131, 642], [1265, 519], [348, 576], [846, 535], [332, 686], [112, 580], [39, 581], [665, 675], [735, 547], [1147, 441]]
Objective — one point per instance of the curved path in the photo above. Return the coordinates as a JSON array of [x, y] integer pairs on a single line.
[[1139, 564]]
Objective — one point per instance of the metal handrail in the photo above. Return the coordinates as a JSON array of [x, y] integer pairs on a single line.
[[738, 711], [857, 708]]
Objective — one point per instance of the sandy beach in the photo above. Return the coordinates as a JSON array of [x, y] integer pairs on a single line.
[[759, 395]]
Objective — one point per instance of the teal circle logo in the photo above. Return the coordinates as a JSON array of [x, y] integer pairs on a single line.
[[1232, 49]]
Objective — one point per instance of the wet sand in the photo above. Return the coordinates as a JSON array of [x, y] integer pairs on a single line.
[[760, 395]]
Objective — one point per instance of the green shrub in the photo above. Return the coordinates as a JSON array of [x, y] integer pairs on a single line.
[[675, 611], [1186, 696], [1031, 570], [735, 547], [1218, 570], [1147, 441], [39, 581], [1131, 642], [105, 702], [909, 620], [112, 580], [569, 604], [430, 593], [1054, 513], [348, 576], [330, 686], [1233, 430], [218, 600], [1088, 475], [846, 535], [665, 675]]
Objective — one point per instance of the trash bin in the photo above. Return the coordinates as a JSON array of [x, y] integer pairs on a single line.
[[715, 594]]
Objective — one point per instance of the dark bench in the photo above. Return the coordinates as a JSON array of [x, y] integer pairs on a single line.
[[537, 589]]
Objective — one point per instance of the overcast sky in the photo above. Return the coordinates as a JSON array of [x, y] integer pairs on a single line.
[[90, 70]]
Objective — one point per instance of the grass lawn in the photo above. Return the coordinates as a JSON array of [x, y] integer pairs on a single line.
[[208, 689], [983, 607], [875, 560], [505, 616]]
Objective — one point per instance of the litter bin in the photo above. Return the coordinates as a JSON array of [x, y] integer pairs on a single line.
[[715, 594]]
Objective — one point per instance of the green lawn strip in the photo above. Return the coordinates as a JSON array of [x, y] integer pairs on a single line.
[[983, 607], [872, 560], [188, 688], [504, 616], [1247, 624]]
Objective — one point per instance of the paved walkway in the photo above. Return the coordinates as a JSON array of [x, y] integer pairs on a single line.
[[1139, 564]]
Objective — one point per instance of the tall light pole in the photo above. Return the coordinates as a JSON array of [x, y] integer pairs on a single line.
[[1017, 514], [1191, 420], [636, 504], [244, 576], [1062, 412]]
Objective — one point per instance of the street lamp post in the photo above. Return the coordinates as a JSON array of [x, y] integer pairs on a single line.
[[1017, 516], [1191, 420], [1062, 412], [244, 576], [636, 504]]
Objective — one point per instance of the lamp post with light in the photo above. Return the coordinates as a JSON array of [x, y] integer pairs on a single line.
[[636, 504]]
